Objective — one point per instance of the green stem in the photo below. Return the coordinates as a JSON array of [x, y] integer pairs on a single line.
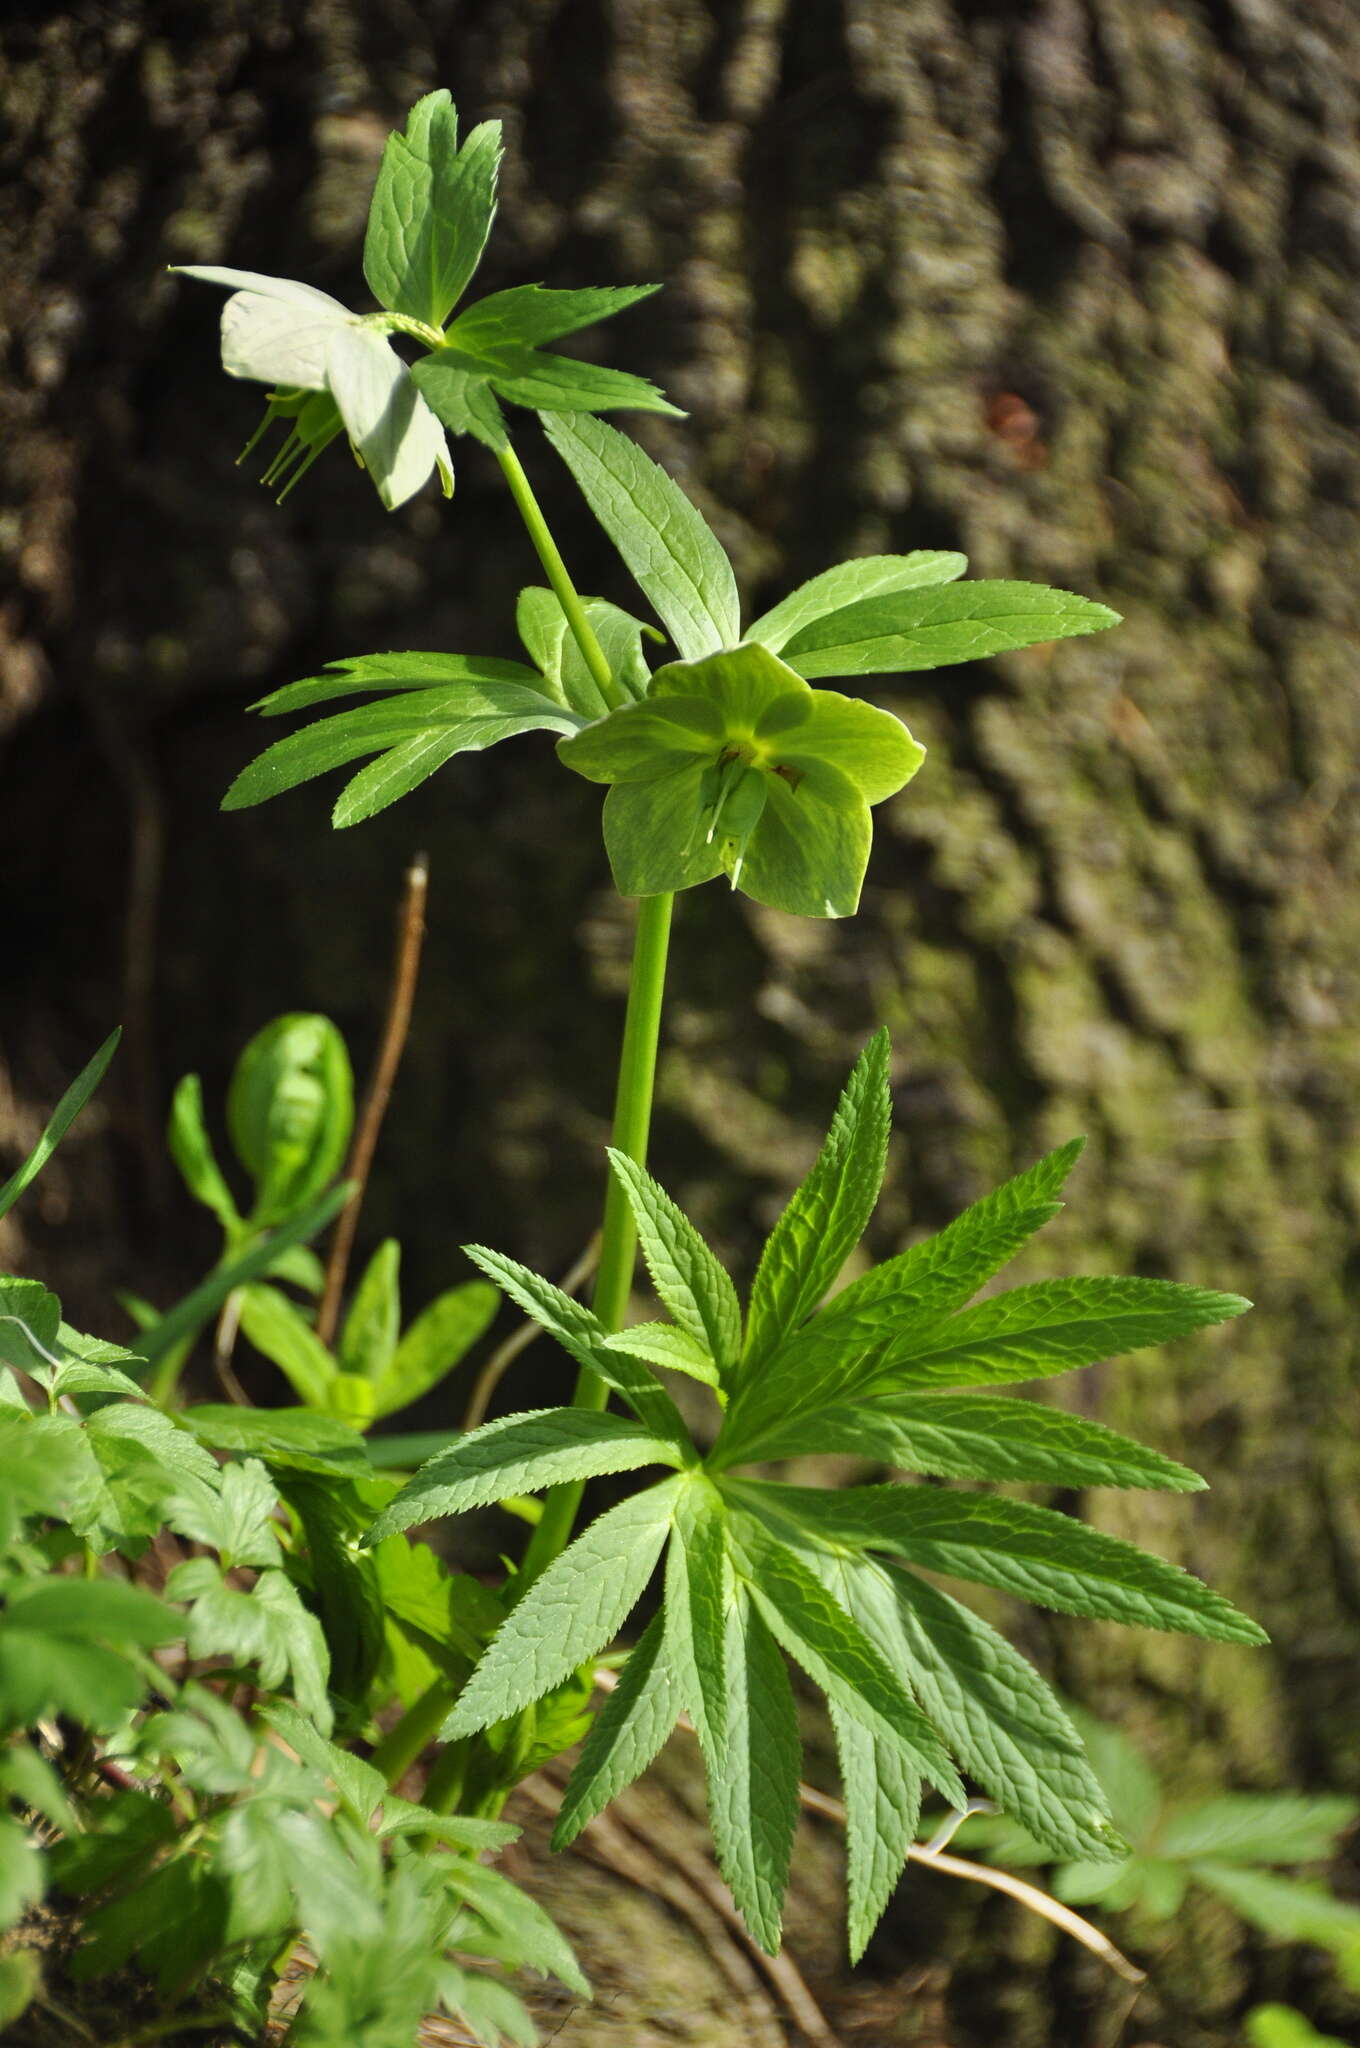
[[413, 1733], [618, 1237], [564, 590]]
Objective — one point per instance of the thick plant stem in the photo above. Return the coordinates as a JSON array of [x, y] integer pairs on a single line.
[[416, 1729], [618, 1237], [564, 590]]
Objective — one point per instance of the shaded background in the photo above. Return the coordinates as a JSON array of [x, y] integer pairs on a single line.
[[1069, 285]]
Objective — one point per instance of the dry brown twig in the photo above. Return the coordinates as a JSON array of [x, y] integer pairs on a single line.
[[405, 970]]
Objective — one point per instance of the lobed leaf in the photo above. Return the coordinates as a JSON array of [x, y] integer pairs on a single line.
[[570, 1612], [431, 211], [827, 1216], [849, 583], [676, 560], [971, 1436], [685, 1273], [362, 672], [914, 629], [833, 1649], [882, 1809], [524, 1453], [581, 1335], [233, 1515], [1032, 1552], [626, 1734]]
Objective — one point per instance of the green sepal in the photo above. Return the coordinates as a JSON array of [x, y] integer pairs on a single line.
[[732, 762]]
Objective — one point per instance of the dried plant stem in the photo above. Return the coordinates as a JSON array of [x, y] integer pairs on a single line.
[[406, 967], [1001, 1881]]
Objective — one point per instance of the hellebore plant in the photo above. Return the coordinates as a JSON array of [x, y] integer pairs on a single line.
[[729, 758]]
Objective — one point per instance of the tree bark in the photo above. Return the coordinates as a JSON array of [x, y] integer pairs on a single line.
[[1071, 286]]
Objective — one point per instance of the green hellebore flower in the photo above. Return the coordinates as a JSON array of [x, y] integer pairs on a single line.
[[331, 370], [733, 764]]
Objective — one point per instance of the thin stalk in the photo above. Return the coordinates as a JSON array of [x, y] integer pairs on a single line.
[[637, 1060], [405, 969], [618, 1235], [414, 1732], [564, 590]]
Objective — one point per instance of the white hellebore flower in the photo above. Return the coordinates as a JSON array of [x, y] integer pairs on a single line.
[[299, 340]]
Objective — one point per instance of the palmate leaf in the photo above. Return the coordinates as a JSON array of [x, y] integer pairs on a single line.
[[626, 1734], [570, 1612], [581, 1334], [827, 1216], [1032, 1552], [969, 1436], [835, 1356], [919, 1688], [914, 629], [523, 1453], [849, 583], [458, 717], [694, 1287], [882, 1808], [677, 562]]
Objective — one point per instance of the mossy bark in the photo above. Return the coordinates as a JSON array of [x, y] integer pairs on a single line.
[[1072, 286]]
